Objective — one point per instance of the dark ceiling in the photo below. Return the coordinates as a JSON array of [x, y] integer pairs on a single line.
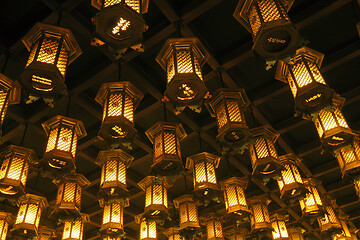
[[328, 25]]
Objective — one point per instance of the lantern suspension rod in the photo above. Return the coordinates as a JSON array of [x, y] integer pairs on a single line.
[[164, 108], [68, 106], [200, 142], [121, 70], [5, 62], [252, 115], [220, 77], [185, 183], [178, 25], [59, 18], [226, 156], [24, 134]]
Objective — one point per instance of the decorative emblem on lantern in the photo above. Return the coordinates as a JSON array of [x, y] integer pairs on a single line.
[[263, 155], [312, 204], [236, 233], [214, 229], [5, 221], [46, 233], [14, 169], [74, 228], [113, 212], [259, 218], [349, 158], [28, 217], [228, 106], [113, 173], [166, 137], [120, 24], [63, 134], [119, 99], [330, 221], [51, 48], [173, 233], [290, 182], [188, 214], [156, 200], [279, 231], [273, 34], [182, 59], [296, 233], [148, 229], [234, 196], [68, 201]]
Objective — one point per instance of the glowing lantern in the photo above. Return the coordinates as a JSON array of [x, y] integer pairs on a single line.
[[203, 166], [228, 107], [120, 24], [214, 229], [51, 48], [188, 212], [5, 220], [46, 233], [119, 99], [344, 234], [63, 134], [267, 20], [264, 158], [14, 169], [312, 204], [28, 217], [112, 223], [234, 196], [330, 221], [173, 233], [74, 228], [260, 219], [296, 233], [166, 137], [236, 233], [182, 59], [307, 85], [290, 182], [68, 201], [113, 173], [349, 158], [279, 231], [148, 229], [156, 201]]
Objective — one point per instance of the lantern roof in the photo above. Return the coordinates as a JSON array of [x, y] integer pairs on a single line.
[[312, 182], [159, 126], [170, 231], [290, 159], [47, 231], [105, 155], [210, 216], [205, 157], [77, 177], [279, 217], [41, 201], [257, 199], [184, 198], [152, 180], [79, 126], [265, 131], [144, 5], [235, 230], [14, 87], [242, 182], [8, 217], [29, 153]]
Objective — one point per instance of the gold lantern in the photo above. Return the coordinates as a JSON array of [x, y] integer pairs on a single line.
[[267, 20], [307, 85], [279, 231], [263, 155], [28, 217], [296, 233], [188, 212], [119, 99], [120, 24], [349, 158], [68, 201], [51, 48], [148, 230], [173, 233], [345, 233], [113, 212], [182, 59], [74, 227], [15, 169], [214, 229], [290, 182], [330, 221], [236, 233], [228, 106], [5, 220], [46, 233], [234, 196], [156, 199], [312, 204], [259, 218], [166, 137], [203, 166], [63, 134]]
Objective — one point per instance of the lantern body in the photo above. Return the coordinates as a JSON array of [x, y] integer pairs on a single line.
[[236, 233], [28, 217], [51, 48], [46, 233], [228, 106], [5, 220], [182, 59], [214, 229], [74, 228], [290, 182], [330, 221], [156, 201], [356, 183], [68, 201], [148, 230], [188, 212], [280, 231], [63, 134], [14, 169], [112, 223], [349, 158], [120, 24], [263, 155], [273, 34], [113, 173], [173, 233], [166, 137], [119, 101], [203, 166], [259, 218], [296, 233], [234, 196], [312, 204]]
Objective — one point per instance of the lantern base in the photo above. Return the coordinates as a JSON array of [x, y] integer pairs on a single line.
[[314, 213], [234, 136], [24, 231], [267, 167], [58, 162], [293, 192], [189, 232], [156, 212], [337, 138], [115, 192], [65, 213], [112, 230], [237, 215], [263, 231], [11, 189], [208, 194], [168, 167]]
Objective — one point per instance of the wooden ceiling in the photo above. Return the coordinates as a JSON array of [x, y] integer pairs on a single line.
[[329, 26]]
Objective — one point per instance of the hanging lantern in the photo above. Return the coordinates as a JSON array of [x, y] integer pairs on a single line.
[[260, 219], [330, 221], [296, 233], [273, 34], [312, 205], [214, 229], [234, 196], [236, 233], [182, 59], [203, 166], [279, 231], [228, 106], [290, 182], [68, 201], [15, 169], [5, 221], [166, 137], [156, 201], [148, 229], [349, 158], [345, 233], [120, 24], [63, 134], [188, 212], [112, 223], [74, 228], [46, 233], [51, 48], [264, 158], [119, 99], [28, 217], [307, 85], [173, 233]]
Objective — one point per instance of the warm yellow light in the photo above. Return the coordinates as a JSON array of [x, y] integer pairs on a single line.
[[148, 229], [349, 158], [234, 195], [74, 228], [296, 233], [260, 219], [5, 220], [188, 212], [312, 204], [173, 233], [330, 220], [112, 222], [214, 229], [279, 231]]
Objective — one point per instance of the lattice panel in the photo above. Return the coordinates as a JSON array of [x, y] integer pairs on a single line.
[[170, 68], [108, 3], [3, 104], [272, 148], [115, 105], [279, 230], [16, 167], [31, 214], [211, 173], [116, 216], [122, 173], [349, 154], [4, 228], [231, 197], [330, 217], [254, 20], [47, 53], [316, 73], [157, 194], [129, 109], [32, 53], [198, 68], [301, 74], [200, 172], [106, 214], [261, 148], [221, 115], [258, 213], [4, 166], [158, 146], [21, 214], [148, 196], [292, 84], [25, 173], [170, 143], [52, 140], [74, 145], [64, 140], [134, 4], [69, 193], [268, 10], [78, 196], [110, 171], [62, 60], [184, 64], [234, 112]]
